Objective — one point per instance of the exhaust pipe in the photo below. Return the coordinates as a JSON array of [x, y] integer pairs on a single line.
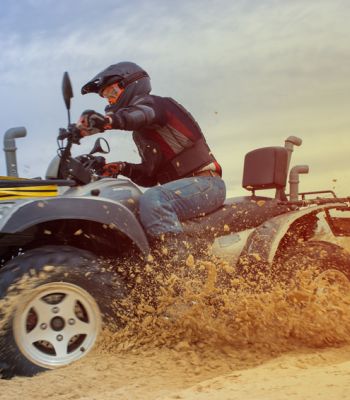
[[10, 148], [289, 144], [294, 180]]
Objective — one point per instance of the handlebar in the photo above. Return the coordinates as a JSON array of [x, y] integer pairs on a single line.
[[86, 167]]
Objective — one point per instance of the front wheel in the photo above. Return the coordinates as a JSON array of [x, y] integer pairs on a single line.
[[55, 300]]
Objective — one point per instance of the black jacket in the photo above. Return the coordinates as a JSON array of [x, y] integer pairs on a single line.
[[170, 142]]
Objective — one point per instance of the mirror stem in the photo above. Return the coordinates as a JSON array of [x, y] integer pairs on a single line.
[[68, 113]]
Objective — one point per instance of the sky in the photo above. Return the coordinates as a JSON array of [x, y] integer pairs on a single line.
[[251, 72]]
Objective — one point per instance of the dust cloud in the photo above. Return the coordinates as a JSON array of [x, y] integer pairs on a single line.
[[197, 330]]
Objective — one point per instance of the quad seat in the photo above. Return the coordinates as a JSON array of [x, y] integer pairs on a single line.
[[237, 214], [264, 168]]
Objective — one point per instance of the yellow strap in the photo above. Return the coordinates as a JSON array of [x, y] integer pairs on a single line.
[[40, 188], [30, 191], [3, 198], [12, 178]]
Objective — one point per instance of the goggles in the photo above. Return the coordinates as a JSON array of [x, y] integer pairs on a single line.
[[112, 92]]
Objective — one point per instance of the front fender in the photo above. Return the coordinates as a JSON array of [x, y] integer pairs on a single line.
[[263, 242], [107, 212]]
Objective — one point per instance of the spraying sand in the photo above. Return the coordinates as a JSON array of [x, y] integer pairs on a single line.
[[205, 341]]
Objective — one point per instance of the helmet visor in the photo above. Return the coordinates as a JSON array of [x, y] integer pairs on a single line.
[[111, 92]]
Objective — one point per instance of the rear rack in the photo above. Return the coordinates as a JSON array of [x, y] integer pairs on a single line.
[[303, 194], [317, 201]]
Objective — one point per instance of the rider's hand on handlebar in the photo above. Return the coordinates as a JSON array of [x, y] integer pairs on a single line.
[[75, 133], [92, 122], [72, 132], [113, 169]]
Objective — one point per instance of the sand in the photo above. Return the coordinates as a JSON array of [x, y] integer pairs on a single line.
[[209, 343], [302, 374]]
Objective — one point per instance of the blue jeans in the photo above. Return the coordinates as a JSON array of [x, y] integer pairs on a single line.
[[162, 208]]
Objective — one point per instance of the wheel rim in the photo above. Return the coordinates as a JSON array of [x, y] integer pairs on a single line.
[[57, 323]]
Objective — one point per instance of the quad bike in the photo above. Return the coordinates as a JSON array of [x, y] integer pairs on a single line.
[[59, 234]]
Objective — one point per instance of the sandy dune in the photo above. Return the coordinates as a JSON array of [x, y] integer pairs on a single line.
[[163, 374]]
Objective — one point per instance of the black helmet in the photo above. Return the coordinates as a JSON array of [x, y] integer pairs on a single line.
[[124, 73], [129, 75]]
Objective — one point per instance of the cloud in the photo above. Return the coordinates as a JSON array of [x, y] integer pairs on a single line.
[[252, 73]]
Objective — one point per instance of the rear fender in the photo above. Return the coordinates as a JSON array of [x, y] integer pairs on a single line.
[[103, 211], [264, 241]]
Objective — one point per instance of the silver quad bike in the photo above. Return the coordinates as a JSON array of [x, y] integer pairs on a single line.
[[63, 239]]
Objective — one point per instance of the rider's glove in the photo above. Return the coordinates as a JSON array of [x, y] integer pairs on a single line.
[[115, 121], [72, 132], [75, 132], [92, 122], [113, 169]]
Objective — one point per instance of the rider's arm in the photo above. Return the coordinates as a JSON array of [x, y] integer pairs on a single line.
[[144, 112], [144, 174], [138, 174]]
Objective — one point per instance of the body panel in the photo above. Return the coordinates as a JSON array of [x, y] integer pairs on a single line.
[[115, 215], [264, 241]]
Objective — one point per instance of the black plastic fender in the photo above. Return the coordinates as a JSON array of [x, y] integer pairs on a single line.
[[99, 210], [262, 244]]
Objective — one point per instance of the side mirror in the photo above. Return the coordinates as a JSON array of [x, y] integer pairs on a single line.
[[101, 146], [67, 89]]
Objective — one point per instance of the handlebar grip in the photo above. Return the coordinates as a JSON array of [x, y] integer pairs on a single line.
[[72, 134]]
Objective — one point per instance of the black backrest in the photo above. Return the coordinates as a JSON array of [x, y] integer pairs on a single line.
[[265, 168]]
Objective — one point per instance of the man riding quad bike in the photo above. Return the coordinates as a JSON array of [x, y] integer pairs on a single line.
[[175, 158], [72, 245]]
